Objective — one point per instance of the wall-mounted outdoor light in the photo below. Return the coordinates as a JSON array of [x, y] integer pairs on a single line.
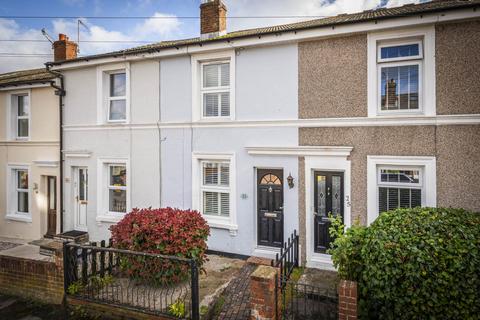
[[290, 181], [35, 187]]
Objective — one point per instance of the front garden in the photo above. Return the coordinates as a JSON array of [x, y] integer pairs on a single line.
[[421, 263]]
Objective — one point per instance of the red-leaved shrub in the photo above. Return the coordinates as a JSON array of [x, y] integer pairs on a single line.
[[166, 231]]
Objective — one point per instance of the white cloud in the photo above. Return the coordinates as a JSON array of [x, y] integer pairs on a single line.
[[10, 30]]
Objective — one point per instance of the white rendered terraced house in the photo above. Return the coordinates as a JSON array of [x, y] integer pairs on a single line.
[[266, 131]]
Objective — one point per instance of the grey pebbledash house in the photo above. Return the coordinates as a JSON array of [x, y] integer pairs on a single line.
[[267, 130]]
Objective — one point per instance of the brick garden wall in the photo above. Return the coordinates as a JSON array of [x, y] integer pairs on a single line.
[[33, 279]]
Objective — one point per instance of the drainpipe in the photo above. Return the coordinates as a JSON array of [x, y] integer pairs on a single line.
[[60, 92]]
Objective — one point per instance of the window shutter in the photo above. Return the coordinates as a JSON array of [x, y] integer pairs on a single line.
[[210, 174], [382, 200], [225, 203], [210, 75], [225, 105], [225, 74], [210, 104], [225, 174], [393, 198], [210, 203]]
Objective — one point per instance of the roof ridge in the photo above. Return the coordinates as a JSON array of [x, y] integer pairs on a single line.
[[343, 18]]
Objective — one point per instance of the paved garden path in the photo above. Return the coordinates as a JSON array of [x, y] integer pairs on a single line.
[[236, 296]]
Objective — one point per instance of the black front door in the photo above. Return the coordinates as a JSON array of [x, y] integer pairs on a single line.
[[328, 199], [270, 207]]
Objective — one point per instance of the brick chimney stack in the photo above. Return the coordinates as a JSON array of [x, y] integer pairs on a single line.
[[64, 49], [213, 19]]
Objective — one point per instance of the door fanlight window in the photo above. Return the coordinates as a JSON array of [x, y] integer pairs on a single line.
[[270, 179]]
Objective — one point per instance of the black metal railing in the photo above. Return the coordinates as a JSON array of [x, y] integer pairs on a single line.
[[288, 258], [305, 301], [146, 282]]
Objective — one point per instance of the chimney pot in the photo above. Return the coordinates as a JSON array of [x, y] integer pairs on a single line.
[[64, 49], [213, 19]]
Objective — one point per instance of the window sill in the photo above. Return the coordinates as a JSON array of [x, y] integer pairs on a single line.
[[109, 218], [399, 113], [215, 119], [219, 223], [116, 123], [18, 217]]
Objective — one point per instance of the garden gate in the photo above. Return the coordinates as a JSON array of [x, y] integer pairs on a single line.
[[297, 300]]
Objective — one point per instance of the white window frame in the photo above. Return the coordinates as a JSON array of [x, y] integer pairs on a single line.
[[103, 92], [398, 43], [220, 222], [197, 62], [214, 188], [110, 98], [428, 179], [12, 196], [419, 63], [426, 60], [217, 90], [401, 185], [12, 115], [103, 188]]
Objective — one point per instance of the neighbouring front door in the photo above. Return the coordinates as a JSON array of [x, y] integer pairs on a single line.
[[80, 187], [328, 199], [270, 207], [51, 205]]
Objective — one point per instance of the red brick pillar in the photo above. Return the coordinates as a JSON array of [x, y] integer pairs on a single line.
[[262, 293], [347, 300]]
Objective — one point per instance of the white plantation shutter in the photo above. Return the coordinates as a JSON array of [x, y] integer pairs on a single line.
[[216, 188], [210, 203], [216, 90], [210, 104], [225, 105], [225, 74], [225, 174], [225, 204], [210, 75]]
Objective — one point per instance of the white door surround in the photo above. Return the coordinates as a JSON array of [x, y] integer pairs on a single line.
[[338, 162]]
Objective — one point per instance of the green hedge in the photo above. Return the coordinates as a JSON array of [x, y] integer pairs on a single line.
[[421, 263]]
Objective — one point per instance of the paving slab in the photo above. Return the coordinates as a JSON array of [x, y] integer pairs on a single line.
[[26, 251]]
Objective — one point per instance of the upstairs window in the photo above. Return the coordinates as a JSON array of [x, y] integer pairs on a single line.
[[117, 99], [20, 117], [215, 188], [399, 188], [215, 89], [113, 94], [400, 76]]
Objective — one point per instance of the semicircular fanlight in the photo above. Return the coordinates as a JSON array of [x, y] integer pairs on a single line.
[[270, 179]]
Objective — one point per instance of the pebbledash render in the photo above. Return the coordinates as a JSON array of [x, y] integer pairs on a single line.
[[266, 131]]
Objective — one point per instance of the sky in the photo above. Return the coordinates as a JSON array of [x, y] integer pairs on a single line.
[[160, 20]]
